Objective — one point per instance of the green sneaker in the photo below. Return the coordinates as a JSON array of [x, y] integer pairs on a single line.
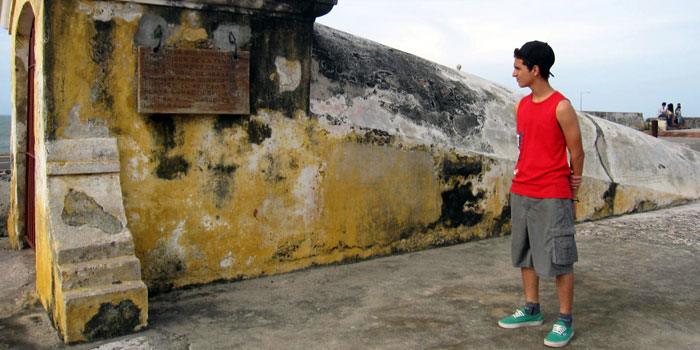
[[521, 319], [559, 336]]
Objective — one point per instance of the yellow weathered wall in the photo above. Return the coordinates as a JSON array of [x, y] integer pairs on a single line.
[[22, 13], [225, 197]]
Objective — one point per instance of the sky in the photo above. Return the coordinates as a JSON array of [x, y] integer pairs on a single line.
[[5, 72], [616, 56]]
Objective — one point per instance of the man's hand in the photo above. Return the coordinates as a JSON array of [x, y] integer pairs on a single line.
[[575, 181]]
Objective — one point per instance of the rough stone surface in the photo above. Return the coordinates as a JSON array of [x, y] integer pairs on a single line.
[[80, 209], [640, 267], [17, 286], [693, 123], [361, 85]]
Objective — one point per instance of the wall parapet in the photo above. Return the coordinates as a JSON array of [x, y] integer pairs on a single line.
[[633, 120], [309, 9]]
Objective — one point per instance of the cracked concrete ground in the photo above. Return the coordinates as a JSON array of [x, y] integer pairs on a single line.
[[637, 288]]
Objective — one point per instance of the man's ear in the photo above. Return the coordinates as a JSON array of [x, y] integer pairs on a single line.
[[536, 70]]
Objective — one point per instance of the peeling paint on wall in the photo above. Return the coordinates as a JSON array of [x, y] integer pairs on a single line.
[[288, 73], [80, 209], [95, 127]]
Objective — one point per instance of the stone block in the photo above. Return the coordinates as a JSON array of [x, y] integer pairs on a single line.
[[113, 271], [102, 250], [104, 311], [82, 156]]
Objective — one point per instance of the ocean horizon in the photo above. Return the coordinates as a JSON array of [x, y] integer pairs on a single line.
[[5, 128]]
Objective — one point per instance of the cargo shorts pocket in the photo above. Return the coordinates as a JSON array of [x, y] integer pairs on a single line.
[[564, 251]]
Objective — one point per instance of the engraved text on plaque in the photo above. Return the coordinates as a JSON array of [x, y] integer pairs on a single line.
[[193, 81]]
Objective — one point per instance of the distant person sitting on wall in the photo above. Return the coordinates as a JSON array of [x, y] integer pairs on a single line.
[[679, 118], [661, 113], [669, 115]]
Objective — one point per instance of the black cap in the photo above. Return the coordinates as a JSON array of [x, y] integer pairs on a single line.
[[537, 53]]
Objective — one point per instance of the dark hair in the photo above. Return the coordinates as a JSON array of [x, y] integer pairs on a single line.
[[536, 53], [670, 107]]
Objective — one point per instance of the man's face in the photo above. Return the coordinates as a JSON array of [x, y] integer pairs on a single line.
[[522, 74]]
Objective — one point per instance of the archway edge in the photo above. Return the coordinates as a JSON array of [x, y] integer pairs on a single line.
[[18, 134]]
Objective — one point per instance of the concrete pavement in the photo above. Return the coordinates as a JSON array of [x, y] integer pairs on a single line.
[[687, 137], [637, 288]]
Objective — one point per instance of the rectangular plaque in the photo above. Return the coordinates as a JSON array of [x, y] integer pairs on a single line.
[[193, 81]]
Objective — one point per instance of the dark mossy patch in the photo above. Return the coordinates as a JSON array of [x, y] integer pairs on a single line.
[[162, 274], [53, 84], [287, 250], [168, 133], [102, 43], [221, 169], [354, 64], [203, 44], [223, 122], [51, 307], [170, 168], [113, 320], [463, 166], [458, 207], [165, 131], [376, 137], [609, 198], [221, 181], [171, 14], [643, 206], [609, 195], [101, 52], [257, 131], [502, 223], [272, 38]]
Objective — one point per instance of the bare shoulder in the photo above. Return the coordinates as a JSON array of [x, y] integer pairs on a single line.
[[565, 110], [565, 105]]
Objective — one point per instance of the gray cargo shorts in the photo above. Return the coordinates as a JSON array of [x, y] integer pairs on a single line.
[[542, 234]]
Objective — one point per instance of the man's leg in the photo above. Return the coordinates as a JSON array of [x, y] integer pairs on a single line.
[[530, 315], [565, 289], [531, 283], [562, 332]]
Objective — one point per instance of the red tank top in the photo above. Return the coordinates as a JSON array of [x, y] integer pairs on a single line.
[[542, 170]]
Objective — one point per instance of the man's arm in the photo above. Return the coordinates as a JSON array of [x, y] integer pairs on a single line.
[[568, 121]]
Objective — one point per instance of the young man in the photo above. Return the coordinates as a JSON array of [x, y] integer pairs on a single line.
[[544, 191], [661, 113]]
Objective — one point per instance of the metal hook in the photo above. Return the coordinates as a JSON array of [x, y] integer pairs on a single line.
[[232, 40], [158, 34]]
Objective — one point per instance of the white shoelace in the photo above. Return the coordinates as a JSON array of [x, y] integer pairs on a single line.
[[518, 313], [559, 329]]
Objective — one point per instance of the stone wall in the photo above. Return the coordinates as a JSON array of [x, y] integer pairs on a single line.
[[631, 119], [366, 151], [693, 123]]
